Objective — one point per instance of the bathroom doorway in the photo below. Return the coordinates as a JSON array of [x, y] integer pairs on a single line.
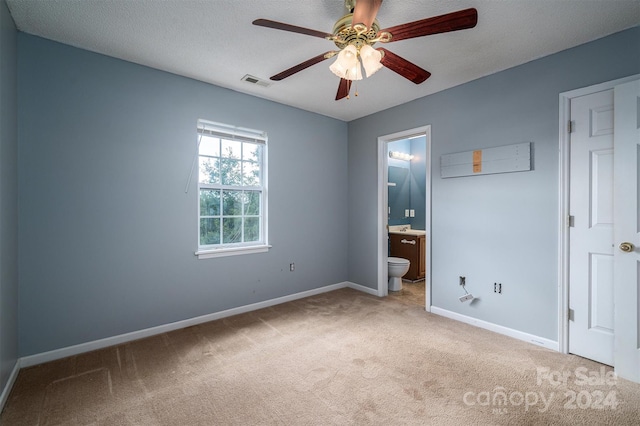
[[405, 202]]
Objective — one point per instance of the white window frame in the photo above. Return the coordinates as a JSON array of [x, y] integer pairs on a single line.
[[224, 131]]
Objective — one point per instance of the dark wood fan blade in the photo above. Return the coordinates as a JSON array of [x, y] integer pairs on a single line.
[[291, 28], [460, 20], [303, 65], [343, 89], [403, 67], [365, 12]]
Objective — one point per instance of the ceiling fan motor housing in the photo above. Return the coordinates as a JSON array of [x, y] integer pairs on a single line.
[[358, 35]]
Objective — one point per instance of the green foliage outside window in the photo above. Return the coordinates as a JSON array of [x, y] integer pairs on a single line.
[[230, 191]]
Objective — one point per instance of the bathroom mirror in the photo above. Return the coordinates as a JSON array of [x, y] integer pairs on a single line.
[[399, 193], [407, 179]]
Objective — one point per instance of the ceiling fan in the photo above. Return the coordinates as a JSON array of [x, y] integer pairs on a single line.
[[357, 31]]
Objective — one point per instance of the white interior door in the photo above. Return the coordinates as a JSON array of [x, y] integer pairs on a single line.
[[591, 253], [627, 230]]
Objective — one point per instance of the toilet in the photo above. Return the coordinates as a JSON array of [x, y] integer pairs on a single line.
[[397, 268]]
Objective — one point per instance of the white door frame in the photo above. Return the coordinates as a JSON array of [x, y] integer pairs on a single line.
[[383, 275], [563, 203]]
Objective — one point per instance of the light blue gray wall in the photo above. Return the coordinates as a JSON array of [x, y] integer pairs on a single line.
[[8, 197], [108, 237], [491, 228]]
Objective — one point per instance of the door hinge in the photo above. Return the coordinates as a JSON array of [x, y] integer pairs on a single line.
[[570, 315], [570, 126], [571, 221]]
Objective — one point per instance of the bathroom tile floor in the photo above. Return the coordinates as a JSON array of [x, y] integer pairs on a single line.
[[411, 293]]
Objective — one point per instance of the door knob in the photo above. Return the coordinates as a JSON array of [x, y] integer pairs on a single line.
[[626, 247]]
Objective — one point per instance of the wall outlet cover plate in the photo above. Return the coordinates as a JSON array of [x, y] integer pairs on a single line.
[[466, 297]]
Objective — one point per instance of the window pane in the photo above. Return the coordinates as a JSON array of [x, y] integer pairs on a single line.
[[252, 229], [252, 203], [209, 170], [209, 231], [230, 188], [209, 202], [230, 172], [232, 230], [209, 146], [231, 149], [231, 203], [251, 173], [251, 152]]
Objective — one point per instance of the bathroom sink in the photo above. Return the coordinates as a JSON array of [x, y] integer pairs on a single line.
[[409, 231]]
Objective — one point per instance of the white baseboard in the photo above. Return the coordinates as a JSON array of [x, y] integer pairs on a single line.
[[368, 290], [7, 388], [40, 358], [530, 338]]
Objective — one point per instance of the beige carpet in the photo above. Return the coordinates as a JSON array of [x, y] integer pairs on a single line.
[[339, 358]]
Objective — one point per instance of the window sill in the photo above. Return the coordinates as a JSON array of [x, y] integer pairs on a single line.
[[222, 252]]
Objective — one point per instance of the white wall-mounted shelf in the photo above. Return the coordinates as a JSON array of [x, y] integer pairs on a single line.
[[501, 159]]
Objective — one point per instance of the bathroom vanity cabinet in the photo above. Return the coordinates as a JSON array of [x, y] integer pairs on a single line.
[[411, 247]]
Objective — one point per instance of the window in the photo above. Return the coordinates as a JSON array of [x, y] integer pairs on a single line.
[[232, 194]]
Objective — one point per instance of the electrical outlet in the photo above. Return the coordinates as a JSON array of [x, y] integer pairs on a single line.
[[292, 267], [497, 288], [463, 280]]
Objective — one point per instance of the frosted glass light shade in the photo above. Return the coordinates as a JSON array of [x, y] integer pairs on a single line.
[[347, 65], [370, 59]]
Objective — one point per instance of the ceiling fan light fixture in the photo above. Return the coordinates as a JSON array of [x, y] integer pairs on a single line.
[[347, 65], [370, 59]]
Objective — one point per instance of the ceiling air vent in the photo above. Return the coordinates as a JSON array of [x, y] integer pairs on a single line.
[[255, 80]]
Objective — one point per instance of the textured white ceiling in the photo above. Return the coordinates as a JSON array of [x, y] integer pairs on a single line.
[[215, 42]]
